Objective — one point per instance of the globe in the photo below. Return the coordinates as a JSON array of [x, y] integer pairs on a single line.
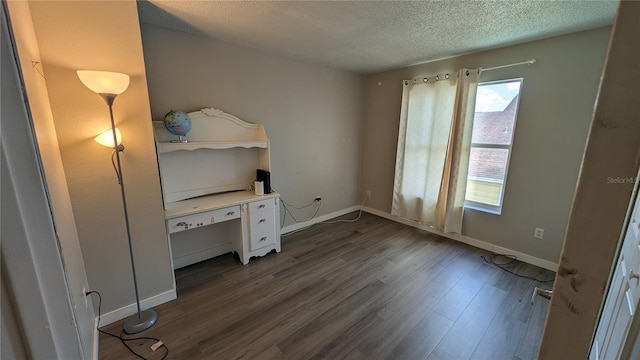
[[178, 123]]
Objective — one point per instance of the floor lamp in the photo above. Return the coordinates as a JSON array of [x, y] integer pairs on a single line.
[[109, 85]]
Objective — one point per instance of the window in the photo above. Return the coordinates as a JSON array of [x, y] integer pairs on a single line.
[[493, 125]]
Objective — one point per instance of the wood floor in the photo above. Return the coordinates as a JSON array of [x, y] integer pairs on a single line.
[[373, 289]]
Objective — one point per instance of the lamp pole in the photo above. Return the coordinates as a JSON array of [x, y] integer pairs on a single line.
[[143, 319], [109, 85]]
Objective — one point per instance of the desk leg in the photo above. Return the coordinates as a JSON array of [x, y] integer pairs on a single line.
[[173, 269], [242, 242], [277, 223]]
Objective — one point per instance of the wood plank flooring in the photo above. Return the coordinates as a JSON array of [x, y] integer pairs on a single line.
[[372, 289]]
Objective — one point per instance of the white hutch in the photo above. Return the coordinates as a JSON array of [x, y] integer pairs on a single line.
[[205, 182]]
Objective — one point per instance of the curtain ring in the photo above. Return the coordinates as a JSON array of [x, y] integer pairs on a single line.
[[446, 76], [414, 81], [406, 82], [467, 73], [425, 80], [437, 77]]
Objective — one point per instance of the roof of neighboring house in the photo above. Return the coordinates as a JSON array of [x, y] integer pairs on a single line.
[[494, 127]]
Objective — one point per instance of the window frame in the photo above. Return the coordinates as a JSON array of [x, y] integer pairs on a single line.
[[488, 208]]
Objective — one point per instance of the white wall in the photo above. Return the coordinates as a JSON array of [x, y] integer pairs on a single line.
[[557, 100], [311, 113]]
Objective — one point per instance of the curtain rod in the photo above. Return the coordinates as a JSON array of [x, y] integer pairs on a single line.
[[528, 62], [454, 74]]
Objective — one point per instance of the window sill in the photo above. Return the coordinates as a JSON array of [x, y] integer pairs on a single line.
[[481, 208]]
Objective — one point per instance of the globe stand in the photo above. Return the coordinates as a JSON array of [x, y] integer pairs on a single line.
[[180, 140]]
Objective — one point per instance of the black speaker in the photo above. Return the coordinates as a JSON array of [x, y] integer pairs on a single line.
[[265, 177]]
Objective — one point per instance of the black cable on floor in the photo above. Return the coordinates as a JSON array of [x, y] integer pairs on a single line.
[[513, 259], [123, 339]]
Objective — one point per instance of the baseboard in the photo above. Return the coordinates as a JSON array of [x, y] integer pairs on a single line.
[[469, 240], [123, 312], [319, 219], [96, 339]]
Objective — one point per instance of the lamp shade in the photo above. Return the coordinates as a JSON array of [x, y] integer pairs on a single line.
[[106, 138], [104, 82]]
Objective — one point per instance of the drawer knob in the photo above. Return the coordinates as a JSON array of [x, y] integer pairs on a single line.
[[261, 206], [262, 220], [230, 213], [264, 238]]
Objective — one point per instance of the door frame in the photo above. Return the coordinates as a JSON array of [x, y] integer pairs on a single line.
[[600, 202]]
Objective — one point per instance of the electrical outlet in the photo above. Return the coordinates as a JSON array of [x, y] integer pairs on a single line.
[[538, 233], [86, 297], [368, 193], [318, 199]]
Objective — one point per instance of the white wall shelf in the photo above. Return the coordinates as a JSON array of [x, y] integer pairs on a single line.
[[164, 147]]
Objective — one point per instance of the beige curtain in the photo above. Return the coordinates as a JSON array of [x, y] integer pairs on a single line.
[[433, 149]]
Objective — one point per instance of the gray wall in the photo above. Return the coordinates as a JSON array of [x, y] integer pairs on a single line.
[[556, 105], [97, 35], [311, 113], [35, 286], [51, 162]]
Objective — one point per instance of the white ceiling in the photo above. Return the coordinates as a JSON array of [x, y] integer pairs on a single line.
[[371, 36]]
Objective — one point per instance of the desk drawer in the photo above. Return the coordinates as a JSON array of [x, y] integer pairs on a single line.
[[262, 238], [261, 220], [262, 205], [202, 219]]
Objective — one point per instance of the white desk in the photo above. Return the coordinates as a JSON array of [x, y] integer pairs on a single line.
[[203, 184], [259, 220]]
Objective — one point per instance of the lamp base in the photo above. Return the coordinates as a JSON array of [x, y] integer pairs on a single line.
[[135, 324]]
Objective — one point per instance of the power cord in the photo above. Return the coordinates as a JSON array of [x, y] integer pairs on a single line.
[[349, 220], [286, 206], [326, 222], [513, 259], [123, 339], [113, 162]]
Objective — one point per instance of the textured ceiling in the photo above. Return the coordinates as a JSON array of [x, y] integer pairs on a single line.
[[370, 36]]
